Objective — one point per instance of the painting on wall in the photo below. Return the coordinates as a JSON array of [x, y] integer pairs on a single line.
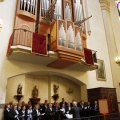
[[100, 72]]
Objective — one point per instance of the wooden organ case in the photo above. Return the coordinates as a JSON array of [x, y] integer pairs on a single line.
[[67, 38], [58, 19], [25, 22]]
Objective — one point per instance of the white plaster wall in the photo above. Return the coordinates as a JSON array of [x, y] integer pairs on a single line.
[[97, 41], [115, 23], [7, 13]]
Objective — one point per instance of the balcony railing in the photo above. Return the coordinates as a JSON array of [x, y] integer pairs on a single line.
[[98, 117], [113, 116], [22, 37]]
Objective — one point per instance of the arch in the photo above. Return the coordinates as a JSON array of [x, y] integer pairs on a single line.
[[45, 81], [39, 73]]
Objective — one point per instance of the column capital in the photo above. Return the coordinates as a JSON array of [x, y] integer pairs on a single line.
[[105, 5]]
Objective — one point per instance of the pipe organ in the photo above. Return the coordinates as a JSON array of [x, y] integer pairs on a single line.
[[67, 10], [45, 4], [58, 18], [28, 5], [77, 6], [58, 10]]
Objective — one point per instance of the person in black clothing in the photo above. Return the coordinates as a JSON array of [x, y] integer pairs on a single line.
[[36, 113], [6, 112], [11, 104], [50, 112], [63, 102], [82, 108], [63, 111], [29, 104], [22, 113], [13, 114], [95, 108], [68, 108], [57, 111], [45, 106], [89, 110]]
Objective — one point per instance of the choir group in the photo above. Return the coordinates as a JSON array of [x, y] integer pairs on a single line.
[[48, 111]]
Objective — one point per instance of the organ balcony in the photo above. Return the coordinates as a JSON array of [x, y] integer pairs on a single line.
[[51, 33], [58, 52]]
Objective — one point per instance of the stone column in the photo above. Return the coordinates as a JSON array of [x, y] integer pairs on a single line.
[[110, 38]]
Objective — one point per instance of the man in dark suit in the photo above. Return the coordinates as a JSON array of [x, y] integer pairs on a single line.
[[95, 108], [36, 113], [57, 111], [89, 110], [68, 108], [63, 102], [75, 111], [50, 112], [23, 113], [82, 108], [13, 114], [6, 112], [45, 106]]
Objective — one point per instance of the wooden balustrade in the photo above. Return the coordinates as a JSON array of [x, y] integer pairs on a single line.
[[22, 37]]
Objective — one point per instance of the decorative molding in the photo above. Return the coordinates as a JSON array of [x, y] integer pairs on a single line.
[[105, 5]]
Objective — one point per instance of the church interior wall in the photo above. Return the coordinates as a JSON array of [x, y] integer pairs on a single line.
[[10, 68]]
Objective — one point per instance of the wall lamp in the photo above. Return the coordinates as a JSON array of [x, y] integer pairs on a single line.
[[1, 23], [117, 60]]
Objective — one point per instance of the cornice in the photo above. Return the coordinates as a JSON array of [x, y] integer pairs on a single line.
[[105, 5]]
